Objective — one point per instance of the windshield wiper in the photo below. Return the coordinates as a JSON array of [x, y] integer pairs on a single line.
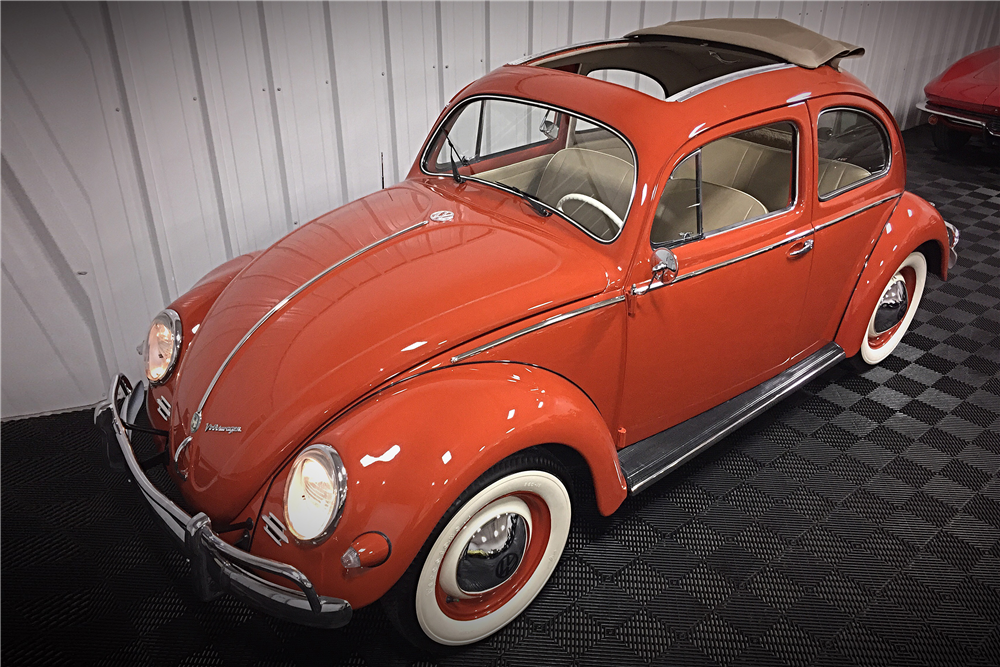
[[454, 169], [541, 208]]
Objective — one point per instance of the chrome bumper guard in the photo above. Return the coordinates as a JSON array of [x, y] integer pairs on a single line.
[[953, 237], [216, 566]]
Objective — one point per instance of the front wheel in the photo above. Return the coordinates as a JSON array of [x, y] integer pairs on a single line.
[[489, 556], [949, 140], [894, 310]]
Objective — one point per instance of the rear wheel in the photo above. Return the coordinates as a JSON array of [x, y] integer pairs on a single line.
[[893, 311], [949, 140], [488, 557]]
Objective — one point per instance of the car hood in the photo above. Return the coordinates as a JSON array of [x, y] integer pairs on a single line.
[[972, 83], [377, 315]]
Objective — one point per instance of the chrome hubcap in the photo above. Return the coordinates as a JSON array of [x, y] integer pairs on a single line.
[[493, 554], [892, 307]]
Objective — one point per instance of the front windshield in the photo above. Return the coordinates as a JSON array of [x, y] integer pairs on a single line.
[[558, 161]]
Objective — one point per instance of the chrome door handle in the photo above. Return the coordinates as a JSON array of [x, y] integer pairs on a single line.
[[806, 247]]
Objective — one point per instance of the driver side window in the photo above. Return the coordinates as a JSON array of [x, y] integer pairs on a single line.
[[729, 182]]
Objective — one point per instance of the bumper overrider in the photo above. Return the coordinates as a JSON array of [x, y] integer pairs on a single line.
[[216, 566], [953, 237]]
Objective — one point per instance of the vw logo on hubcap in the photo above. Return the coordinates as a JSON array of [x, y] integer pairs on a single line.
[[507, 565]]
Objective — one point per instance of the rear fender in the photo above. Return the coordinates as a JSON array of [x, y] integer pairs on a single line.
[[914, 225], [411, 450]]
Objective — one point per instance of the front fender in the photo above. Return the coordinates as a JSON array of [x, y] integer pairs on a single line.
[[412, 449], [192, 307], [913, 224]]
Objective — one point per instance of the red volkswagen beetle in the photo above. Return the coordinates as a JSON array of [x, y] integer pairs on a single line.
[[604, 258]]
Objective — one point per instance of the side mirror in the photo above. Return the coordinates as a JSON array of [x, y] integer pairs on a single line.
[[549, 128], [664, 265]]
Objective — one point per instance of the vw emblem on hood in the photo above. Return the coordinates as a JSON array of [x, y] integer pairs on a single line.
[[442, 216]]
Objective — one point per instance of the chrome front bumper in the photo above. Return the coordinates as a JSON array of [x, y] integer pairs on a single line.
[[953, 237], [216, 566]]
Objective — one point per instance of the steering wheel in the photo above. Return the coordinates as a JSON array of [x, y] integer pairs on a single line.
[[576, 196]]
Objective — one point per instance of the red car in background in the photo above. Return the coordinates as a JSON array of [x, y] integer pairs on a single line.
[[965, 101]]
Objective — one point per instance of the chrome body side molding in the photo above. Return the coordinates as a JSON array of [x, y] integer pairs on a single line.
[[649, 460], [642, 289], [555, 319], [856, 212], [196, 419]]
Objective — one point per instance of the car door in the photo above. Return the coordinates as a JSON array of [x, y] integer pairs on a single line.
[[733, 215], [858, 178]]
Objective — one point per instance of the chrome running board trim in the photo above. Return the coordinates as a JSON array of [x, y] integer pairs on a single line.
[[649, 460], [562, 317], [196, 419]]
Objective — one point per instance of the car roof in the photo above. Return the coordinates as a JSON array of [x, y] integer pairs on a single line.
[[657, 128]]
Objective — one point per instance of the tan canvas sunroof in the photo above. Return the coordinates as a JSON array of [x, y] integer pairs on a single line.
[[776, 37]]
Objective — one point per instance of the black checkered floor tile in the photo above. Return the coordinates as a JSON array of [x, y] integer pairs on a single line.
[[856, 523]]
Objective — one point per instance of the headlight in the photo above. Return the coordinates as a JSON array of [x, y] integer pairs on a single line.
[[163, 344], [315, 492]]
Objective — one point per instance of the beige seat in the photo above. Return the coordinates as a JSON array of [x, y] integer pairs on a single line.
[[723, 206], [763, 172], [834, 175], [603, 142], [606, 178]]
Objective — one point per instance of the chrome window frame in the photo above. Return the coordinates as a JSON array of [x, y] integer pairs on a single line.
[[425, 154], [705, 86], [883, 130], [796, 159]]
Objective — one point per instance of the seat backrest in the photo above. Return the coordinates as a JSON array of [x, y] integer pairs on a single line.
[[604, 177], [764, 172], [721, 207], [834, 175]]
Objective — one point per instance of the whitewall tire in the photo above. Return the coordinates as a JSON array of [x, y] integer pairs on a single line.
[[911, 276], [455, 593]]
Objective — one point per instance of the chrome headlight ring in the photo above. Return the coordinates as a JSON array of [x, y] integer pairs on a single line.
[[170, 322], [332, 474]]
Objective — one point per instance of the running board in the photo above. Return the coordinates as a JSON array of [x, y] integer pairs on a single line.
[[649, 460]]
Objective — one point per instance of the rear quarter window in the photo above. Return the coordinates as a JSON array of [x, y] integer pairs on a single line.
[[853, 149]]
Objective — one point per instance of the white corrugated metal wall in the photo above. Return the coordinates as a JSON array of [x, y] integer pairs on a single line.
[[145, 143]]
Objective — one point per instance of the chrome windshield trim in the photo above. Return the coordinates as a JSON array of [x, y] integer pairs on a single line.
[[704, 86], [284, 302], [555, 319], [530, 102], [791, 239]]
